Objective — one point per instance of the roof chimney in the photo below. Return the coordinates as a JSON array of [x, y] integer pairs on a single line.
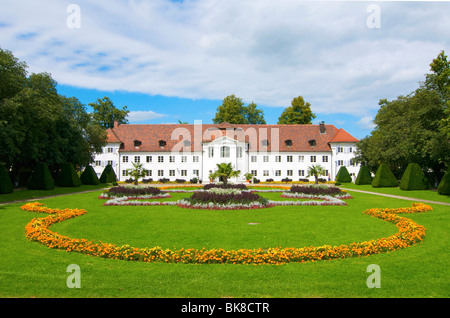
[[116, 124], [322, 127]]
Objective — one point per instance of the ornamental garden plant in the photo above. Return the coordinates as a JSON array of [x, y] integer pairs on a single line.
[[414, 179], [41, 178], [384, 177], [343, 175], [6, 185], [364, 176]]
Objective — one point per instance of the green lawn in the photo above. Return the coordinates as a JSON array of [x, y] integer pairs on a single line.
[[24, 194], [29, 269]]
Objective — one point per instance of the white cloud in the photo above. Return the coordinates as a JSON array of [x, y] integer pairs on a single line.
[[266, 51], [141, 116], [366, 122]]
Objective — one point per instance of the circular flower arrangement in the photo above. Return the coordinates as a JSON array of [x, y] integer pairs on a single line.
[[409, 233], [229, 197]]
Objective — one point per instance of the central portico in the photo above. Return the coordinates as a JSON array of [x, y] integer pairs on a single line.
[[225, 150]]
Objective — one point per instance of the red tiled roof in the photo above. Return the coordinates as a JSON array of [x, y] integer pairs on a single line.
[[150, 135], [343, 136]]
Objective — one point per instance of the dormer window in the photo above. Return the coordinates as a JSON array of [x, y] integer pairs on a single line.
[[288, 143], [264, 142], [312, 143], [162, 143], [137, 143]]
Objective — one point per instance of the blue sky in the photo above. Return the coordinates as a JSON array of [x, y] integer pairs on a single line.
[[176, 60]]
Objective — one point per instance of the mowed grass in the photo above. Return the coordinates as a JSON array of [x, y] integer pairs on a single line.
[[29, 269]]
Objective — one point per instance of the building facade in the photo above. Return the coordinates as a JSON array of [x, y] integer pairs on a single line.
[[268, 152]]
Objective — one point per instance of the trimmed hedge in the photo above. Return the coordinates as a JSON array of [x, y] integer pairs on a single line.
[[108, 175], [89, 176], [41, 178], [6, 185], [68, 176], [384, 177], [444, 185], [364, 176], [343, 175], [414, 179]]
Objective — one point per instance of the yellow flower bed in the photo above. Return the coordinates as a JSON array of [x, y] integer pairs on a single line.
[[409, 233]]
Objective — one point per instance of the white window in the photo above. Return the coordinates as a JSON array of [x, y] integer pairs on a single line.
[[196, 173], [125, 159], [110, 150], [340, 162], [265, 173], [137, 159], [301, 173], [124, 173], [183, 158], [98, 163], [313, 158], [277, 173], [265, 158], [301, 158], [149, 158], [149, 173], [171, 173], [324, 158], [160, 173], [254, 159], [171, 158], [239, 152], [210, 152], [195, 159], [340, 149], [225, 152], [183, 173], [289, 158], [277, 158], [160, 158], [111, 163], [254, 173], [289, 173]]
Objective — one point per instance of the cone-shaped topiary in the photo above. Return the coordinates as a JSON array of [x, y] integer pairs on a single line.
[[444, 185], [414, 179], [108, 175], [68, 176], [343, 175], [384, 177], [364, 176], [89, 176], [41, 178], [6, 185]]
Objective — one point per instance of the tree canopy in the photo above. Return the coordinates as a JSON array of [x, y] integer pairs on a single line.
[[39, 125], [234, 111], [298, 113], [105, 113], [413, 128]]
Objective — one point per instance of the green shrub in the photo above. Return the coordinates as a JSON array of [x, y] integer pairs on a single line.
[[364, 176], [89, 176], [384, 177], [41, 178], [343, 175], [68, 176], [414, 179], [444, 185], [108, 175], [6, 185]]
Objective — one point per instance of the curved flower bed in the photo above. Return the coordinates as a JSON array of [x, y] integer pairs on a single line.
[[409, 233]]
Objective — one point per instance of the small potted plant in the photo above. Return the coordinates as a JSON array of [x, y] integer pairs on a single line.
[[248, 176]]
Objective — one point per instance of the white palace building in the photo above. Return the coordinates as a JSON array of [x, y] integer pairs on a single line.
[[183, 151]]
